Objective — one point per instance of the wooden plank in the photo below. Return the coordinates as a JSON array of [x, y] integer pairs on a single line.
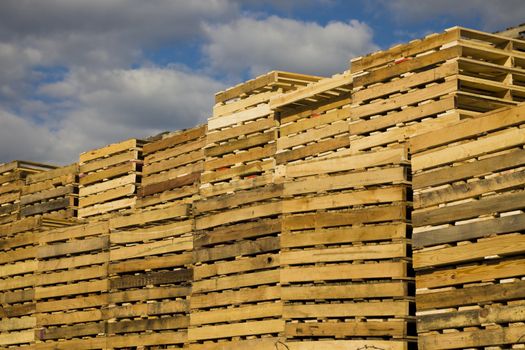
[[13, 338], [150, 309], [472, 339], [345, 181], [173, 229], [364, 252], [151, 263], [240, 131], [476, 273], [47, 194], [178, 138], [251, 279], [151, 339], [144, 217], [100, 176], [11, 324], [235, 172], [470, 318], [348, 344], [235, 297], [463, 171], [346, 329], [326, 131], [245, 247], [240, 313], [247, 156], [314, 120], [236, 215], [246, 87], [257, 112], [236, 330], [457, 191], [170, 184], [104, 163], [342, 200], [494, 143], [510, 244], [172, 245], [103, 197], [71, 289], [220, 110], [347, 163], [350, 217], [174, 152], [313, 150], [164, 323], [151, 278], [487, 293], [469, 231], [348, 291], [107, 185], [73, 247], [78, 274], [369, 309], [241, 144], [485, 205], [151, 293], [260, 262], [175, 162], [237, 232], [344, 272]]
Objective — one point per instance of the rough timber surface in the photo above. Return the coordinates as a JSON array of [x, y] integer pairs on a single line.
[[468, 236]]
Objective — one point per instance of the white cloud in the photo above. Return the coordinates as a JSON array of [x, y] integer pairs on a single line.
[[274, 43], [494, 15]]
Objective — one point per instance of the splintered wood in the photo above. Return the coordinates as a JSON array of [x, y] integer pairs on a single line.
[[378, 209], [469, 225]]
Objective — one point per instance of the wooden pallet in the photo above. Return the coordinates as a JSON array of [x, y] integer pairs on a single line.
[[236, 294], [313, 120], [71, 286], [172, 168], [12, 179], [150, 277], [344, 248], [18, 265], [469, 245], [109, 178], [51, 194]]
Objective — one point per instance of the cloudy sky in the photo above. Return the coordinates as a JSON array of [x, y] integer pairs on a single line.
[[79, 74]]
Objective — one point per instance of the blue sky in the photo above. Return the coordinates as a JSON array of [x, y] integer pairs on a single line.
[[75, 75]]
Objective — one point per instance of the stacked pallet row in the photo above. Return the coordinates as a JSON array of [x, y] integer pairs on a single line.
[[18, 266], [313, 119], [469, 224], [150, 279], [427, 84], [345, 252], [51, 194], [172, 168], [235, 302], [109, 178], [12, 179], [71, 287]]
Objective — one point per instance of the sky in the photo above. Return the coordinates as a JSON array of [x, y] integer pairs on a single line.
[[80, 74]]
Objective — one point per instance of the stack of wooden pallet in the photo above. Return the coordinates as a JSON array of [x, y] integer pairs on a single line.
[[429, 83], [172, 168], [313, 119], [51, 193], [242, 134], [109, 178], [469, 225], [12, 179], [71, 287], [345, 261], [18, 266], [150, 279]]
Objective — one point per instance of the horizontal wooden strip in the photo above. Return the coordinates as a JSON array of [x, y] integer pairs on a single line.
[[108, 150], [259, 262], [368, 309], [344, 272], [175, 162], [463, 171], [173, 245], [500, 245], [362, 252], [241, 313], [110, 173], [489, 293], [344, 235], [73, 247], [244, 247], [351, 217], [106, 185], [467, 274], [104, 163], [235, 297], [236, 215], [236, 281], [471, 318], [102, 197], [327, 131], [146, 217], [374, 196], [178, 138], [236, 330], [151, 263], [151, 278], [256, 153], [240, 144], [470, 189], [71, 289], [493, 143], [468, 210], [174, 151], [313, 150], [473, 339], [240, 117], [348, 291], [241, 130], [347, 163], [73, 275], [170, 184], [346, 329], [158, 324]]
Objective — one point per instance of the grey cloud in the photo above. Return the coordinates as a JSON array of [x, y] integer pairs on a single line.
[[259, 45]]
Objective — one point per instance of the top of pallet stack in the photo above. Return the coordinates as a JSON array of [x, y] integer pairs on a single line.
[[285, 80], [435, 41], [30, 167], [315, 92]]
